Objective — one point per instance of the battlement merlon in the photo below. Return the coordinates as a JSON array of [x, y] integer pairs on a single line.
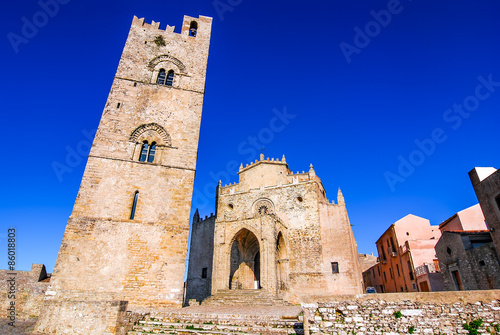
[[203, 26], [264, 161], [149, 50], [269, 172]]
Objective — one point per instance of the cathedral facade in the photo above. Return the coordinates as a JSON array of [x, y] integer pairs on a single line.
[[274, 230]]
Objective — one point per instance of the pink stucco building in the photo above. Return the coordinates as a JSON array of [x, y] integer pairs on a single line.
[[471, 218], [407, 257], [408, 260]]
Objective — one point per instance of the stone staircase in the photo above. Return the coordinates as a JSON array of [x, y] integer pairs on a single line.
[[244, 298], [215, 322]]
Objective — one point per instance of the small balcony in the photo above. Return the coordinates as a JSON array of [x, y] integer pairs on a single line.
[[426, 268], [405, 248]]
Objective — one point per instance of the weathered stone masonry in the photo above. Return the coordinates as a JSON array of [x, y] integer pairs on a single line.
[[395, 313], [30, 287], [199, 281], [110, 257], [276, 230]]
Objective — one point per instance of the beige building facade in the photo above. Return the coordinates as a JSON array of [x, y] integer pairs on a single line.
[[276, 230]]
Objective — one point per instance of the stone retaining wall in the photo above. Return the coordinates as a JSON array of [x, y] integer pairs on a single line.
[[83, 317], [25, 289], [417, 313]]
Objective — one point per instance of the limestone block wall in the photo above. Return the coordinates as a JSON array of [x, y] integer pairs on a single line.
[[299, 232], [339, 246], [297, 221], [135, 99], [139, 258], [366, 261], [84, 317], [139, 262], [256, 174], [406, 313], [186, 54], [29, 291], [199, 284]]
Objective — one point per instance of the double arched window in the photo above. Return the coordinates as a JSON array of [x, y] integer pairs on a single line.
[[147, 152], [165, 78]]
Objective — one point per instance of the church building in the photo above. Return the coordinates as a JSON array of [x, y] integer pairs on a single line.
[[275, 231]]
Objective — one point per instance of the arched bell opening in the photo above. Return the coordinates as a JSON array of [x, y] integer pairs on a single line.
[[245, 261]]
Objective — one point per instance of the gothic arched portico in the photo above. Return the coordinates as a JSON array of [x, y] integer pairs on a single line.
[[244, 261]]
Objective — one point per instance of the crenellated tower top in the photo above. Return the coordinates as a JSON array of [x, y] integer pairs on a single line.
[[199, 27]]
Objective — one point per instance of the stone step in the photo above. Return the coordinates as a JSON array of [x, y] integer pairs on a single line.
[[224, 302], [291, 326], [222, 320], [244, 297], [246, 293], [279, 320]]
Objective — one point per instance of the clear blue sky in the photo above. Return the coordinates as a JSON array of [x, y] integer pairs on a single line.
[[356, 117]]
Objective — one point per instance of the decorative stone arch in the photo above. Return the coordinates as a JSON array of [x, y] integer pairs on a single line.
[[244, 260], [283, 234], [151, 133], [263, 206], [163, 136], [181, 68], [168, 63]]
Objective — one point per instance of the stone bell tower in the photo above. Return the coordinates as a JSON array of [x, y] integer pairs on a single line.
[[126, 239]]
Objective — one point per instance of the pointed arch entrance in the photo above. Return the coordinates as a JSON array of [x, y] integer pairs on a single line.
[[281, 264], [245, 261]]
